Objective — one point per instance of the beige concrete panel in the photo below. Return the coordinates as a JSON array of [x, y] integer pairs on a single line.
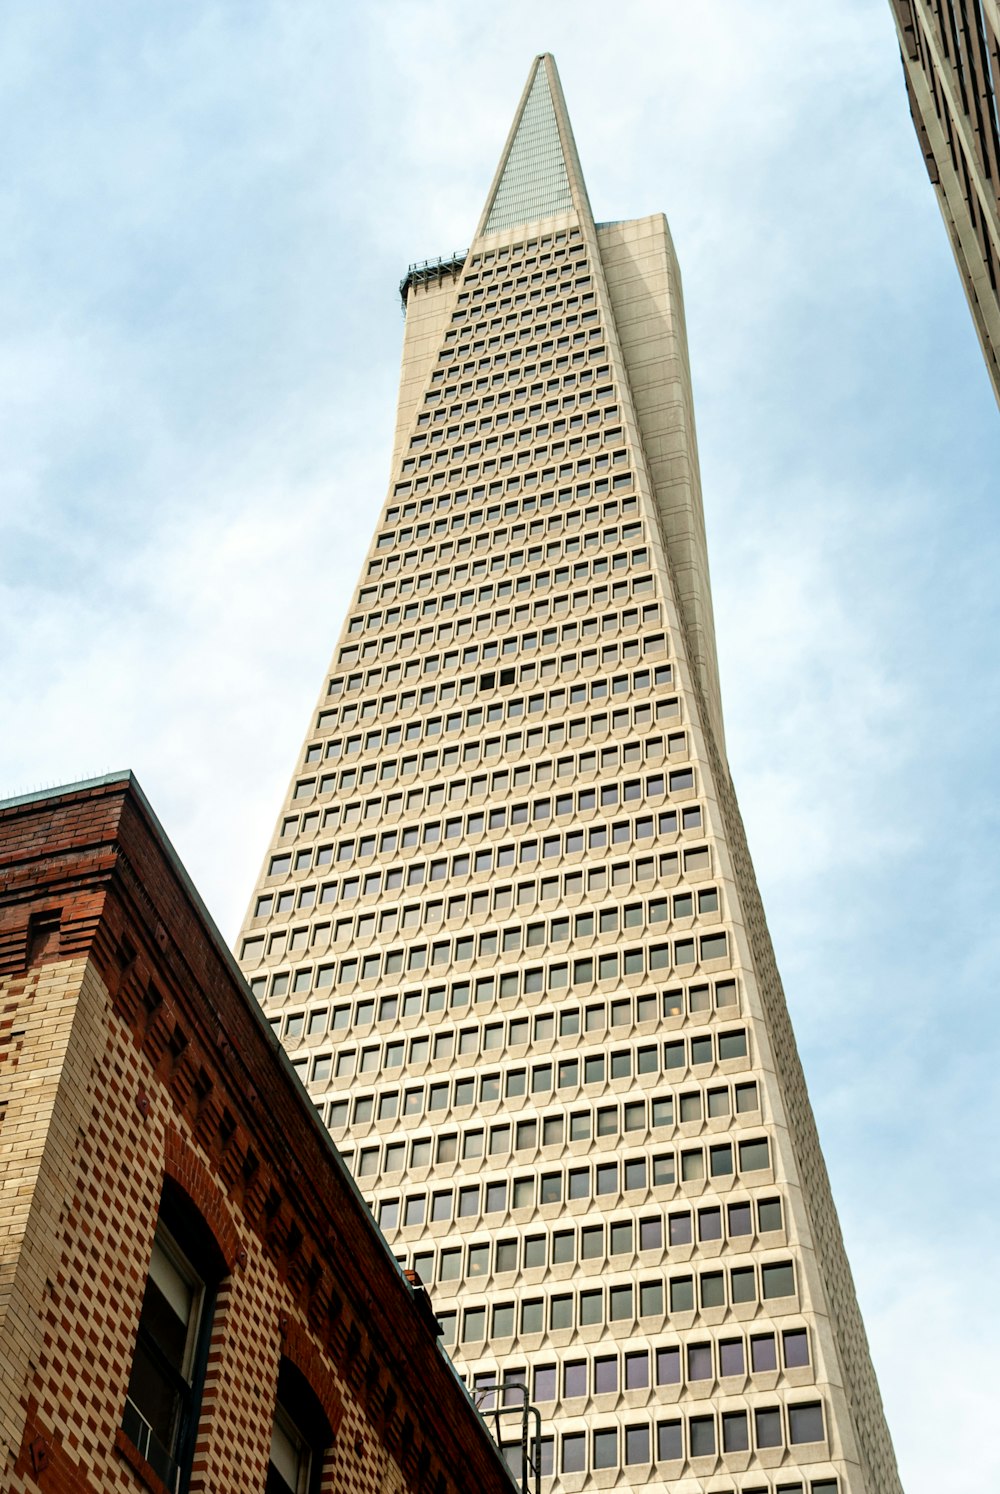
[[650, 325]]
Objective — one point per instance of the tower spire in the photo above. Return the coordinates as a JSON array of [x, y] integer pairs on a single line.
[[539, 173]]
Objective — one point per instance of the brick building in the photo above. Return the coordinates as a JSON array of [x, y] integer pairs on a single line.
[[193, 1294]]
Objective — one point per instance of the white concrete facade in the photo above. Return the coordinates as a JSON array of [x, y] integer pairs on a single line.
[[508, 928]]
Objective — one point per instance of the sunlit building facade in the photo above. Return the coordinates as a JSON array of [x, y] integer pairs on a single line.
[[508, 928], [951, 60]]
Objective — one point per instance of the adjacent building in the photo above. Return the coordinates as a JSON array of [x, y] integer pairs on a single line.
[[193, 1295], [951, 59], [508, 927]]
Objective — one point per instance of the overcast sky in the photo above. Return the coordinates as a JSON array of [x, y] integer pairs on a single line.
[[205, 211]]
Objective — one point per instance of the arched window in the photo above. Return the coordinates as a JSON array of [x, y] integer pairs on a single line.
[[300, 1435]]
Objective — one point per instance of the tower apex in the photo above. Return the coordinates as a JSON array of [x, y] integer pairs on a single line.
[[539, 173]]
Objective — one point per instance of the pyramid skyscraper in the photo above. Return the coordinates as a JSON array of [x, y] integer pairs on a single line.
[[508, 927]]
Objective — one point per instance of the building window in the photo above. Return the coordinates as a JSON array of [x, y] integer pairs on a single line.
[[768, 1426], [702, 1433], [779, 1280], [796, 1347], [735, 1434], [297, 1442], [669, 1444], [606, 1448], [574, 1452], [805, 1423], [164, 1391]]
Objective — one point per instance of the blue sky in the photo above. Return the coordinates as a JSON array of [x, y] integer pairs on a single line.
[[204, 214]]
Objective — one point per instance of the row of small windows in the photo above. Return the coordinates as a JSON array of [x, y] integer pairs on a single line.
[[610, 1374], [583, 971], [622, 1014], [539, 286], [561, 334], [552, 1131], [377, 741], [587, 601], [597, 433], [477, 1263], [495, 625], [623, 1304], [625, 877], [604, 1180], [634, 1119], [492, 263], [540, 327], [474, 687], [472, 454], [581, 389], [567, 373], [605, 1122], [496, 564], [363, 1110], [508, 430], [571, 272], [384, 772], [547, 465], [493, 395], [382, 1058], [549, 847], [485, 594], [570, 885], [491, 858], [570, 1072], [574, 392], [501, 417], [629, 650], [474, 718], [596, 1069], [521, 509], [563, 265], [519, 353], [499, 818], [610, 761], [530, 316], [706, 1436], [603, 923]]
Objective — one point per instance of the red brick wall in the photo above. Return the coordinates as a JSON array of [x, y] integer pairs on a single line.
[[154, 1062]]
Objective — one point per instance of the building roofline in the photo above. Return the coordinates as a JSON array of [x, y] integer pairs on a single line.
[[128, 785]]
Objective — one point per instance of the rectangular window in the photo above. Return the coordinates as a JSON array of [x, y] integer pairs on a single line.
[[702, 1433], [805, 1422], [161, 1407], [735, 1432], [606, 1448], [767, 1420], [669, 1442], [778, 1280]]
